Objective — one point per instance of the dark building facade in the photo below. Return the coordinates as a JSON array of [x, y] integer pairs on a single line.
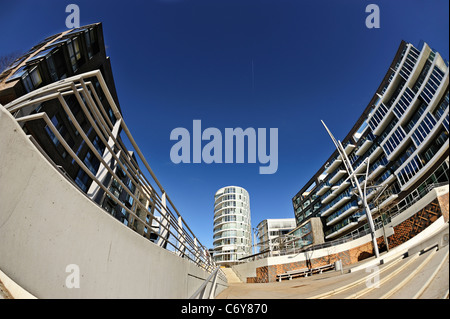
[[58, 57]]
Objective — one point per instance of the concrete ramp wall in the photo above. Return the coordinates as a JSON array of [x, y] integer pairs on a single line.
[[52, 237]]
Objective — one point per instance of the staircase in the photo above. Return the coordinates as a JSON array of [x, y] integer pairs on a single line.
[[231, 276], [423, 275]]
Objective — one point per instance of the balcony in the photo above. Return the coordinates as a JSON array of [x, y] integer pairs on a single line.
[[376, 172], [327, 197], [403, 108], [336, 190], [424, 129], [341, 230], [433, 84], [338, 229], [409, 172], [334, 164], [410, 62], [360, 168], [394, 143], [371, 192], [348, 148], [374, 209], [337, 176], [323, 188], [388, 200], [342, 200], [383, 123], [375, 154], [342, 213], [364, 147], [336, 203], [377, 116]]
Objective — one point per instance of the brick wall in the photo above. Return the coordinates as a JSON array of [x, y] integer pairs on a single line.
[[348, 257], [443, 202], [402, 232], [415, 224]]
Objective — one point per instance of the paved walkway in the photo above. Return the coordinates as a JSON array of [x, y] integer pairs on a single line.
[[423, 275], [287, 289]]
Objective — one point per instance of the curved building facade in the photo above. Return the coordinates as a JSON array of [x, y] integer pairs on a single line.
[[232, 226], [398, 146]]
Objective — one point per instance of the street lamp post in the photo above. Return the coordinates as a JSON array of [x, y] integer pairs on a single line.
[[356, 183]]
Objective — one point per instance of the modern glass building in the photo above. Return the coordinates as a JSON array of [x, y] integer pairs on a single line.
[[232, 226], [55, 58], [398, 147]]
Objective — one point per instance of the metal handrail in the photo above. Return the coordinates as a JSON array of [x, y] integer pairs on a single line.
[[173, 233], [201, 291]]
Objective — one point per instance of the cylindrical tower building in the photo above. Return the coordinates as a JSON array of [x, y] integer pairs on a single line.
[[232, 227]]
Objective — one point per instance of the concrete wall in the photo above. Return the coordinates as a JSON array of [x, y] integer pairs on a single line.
[[47, 224]]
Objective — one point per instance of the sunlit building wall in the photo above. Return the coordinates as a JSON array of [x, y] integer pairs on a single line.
[[232, 225]]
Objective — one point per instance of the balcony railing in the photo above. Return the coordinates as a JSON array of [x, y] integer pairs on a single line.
[[409, 63], [432, 85], [345, 196], [342, 213], [404, 103]]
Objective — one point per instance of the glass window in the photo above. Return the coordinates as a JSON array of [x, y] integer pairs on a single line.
[[91, 162], [20, 72], [58, 126], [88, 44], [27, 83], [99, 146], [73, 60], [82, 180], [76, 46], [36, 77], [52, 68]]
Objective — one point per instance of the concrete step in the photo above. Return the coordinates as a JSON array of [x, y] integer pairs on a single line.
[[409, 279], [357, 281], [373, 278], [438, 288], [419, 283], [396, 281]]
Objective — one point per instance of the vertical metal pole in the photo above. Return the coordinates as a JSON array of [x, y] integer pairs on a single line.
[[181, 244], [254, 241], [164, 232], [355, 182]]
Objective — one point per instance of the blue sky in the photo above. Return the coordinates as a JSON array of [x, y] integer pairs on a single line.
[[233, 63]]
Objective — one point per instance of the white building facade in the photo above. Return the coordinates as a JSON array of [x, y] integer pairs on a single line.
[[232, 225], [269, 229]]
